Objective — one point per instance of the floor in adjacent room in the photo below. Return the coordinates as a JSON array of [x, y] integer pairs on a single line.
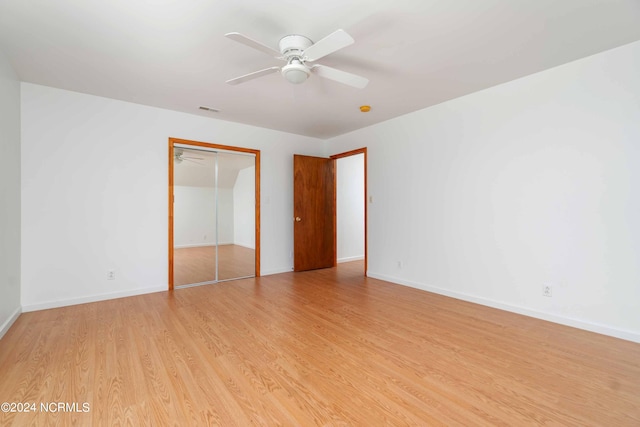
[[324, 347]]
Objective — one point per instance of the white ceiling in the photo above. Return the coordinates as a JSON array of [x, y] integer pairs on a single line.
[[416, 53]]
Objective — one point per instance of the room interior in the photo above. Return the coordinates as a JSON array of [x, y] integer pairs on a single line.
[[502, 159]]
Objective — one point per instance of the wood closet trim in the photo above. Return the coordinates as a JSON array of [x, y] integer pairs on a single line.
[[362, 150], [172, 142]]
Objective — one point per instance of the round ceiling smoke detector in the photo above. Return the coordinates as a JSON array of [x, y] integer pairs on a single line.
[[295, 72]]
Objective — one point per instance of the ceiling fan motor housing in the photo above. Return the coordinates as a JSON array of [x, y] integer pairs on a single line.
[[293, 46]]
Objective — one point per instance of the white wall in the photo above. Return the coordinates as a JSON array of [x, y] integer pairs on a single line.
[[244, 208], [195, 216], [9, 196], [94, 193], [490, 196], [350, 208], [194, 219]]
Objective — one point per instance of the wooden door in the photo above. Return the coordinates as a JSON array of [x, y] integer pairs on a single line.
[[313, 213]]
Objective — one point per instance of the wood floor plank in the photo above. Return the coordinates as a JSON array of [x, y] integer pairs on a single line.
[[326, 347]]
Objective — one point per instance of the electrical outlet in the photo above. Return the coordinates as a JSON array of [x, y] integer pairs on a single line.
[[399, 264], [111, 275], [546, 291]]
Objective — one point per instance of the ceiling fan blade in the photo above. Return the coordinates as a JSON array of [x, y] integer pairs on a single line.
[[253, 75], [252, 43], [340, 76], [192, 158], [332, 43], [193, 161]]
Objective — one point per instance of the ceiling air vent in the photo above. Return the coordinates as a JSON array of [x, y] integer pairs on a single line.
[[213, 110]]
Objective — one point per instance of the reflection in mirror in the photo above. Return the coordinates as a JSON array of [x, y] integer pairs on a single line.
[[214, 216]]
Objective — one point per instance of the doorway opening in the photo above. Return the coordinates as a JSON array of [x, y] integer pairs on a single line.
[[351, 206], [214, 213]]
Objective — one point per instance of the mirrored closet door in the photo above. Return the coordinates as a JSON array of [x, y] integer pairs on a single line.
[[213, 215]]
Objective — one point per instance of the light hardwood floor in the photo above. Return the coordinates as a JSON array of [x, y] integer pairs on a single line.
[[326, 347], [196, 265]]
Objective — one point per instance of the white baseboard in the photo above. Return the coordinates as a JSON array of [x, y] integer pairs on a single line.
[[92, 298], [10, 321], [350, 258], [555, 318], [193, 245], [276, 271], [200, 245]]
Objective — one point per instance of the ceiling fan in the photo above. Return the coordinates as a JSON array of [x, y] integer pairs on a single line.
[[178, 157], [298, 51]]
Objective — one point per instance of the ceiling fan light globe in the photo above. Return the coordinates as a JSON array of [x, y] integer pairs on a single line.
[[295, 72], [296, 76]]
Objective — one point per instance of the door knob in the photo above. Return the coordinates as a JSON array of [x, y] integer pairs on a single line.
[[298, 219]]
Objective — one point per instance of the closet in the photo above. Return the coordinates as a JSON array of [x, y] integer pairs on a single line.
[[213, 222]]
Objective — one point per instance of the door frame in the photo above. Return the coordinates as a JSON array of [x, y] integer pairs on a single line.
[[172, 143], [357, 151]]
